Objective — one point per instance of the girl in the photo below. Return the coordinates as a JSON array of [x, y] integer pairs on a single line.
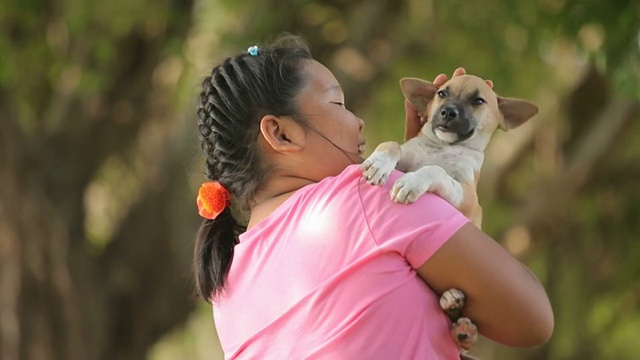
[[327, 266]]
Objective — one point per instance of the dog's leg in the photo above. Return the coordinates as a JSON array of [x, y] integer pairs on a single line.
[[470, 206], [409, 187], [377, 168], [464, 332], [476, 217]]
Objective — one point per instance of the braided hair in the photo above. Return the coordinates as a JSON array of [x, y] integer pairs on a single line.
[[237, 94]]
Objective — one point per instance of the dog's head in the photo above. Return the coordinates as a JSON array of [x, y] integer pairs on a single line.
[[464, 110]]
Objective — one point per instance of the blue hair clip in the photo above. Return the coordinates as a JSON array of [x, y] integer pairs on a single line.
[[253, 50]]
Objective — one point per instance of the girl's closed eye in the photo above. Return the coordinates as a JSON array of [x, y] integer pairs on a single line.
[[339, 103]]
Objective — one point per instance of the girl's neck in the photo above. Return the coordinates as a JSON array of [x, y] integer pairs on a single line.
[[268, 200]]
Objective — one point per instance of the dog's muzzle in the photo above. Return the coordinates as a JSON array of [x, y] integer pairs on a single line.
[[452, 123]]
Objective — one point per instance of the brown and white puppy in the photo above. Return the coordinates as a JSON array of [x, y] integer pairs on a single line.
[[447, 155]]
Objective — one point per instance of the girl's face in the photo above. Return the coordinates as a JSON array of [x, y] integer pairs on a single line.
[[334, 138]]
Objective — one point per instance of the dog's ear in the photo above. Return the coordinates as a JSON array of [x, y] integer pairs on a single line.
[[515, 112], [419, 92]]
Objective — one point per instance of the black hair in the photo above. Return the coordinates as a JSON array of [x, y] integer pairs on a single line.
[[237, 94]]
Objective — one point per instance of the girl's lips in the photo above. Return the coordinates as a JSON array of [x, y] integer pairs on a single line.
[[361, 149]]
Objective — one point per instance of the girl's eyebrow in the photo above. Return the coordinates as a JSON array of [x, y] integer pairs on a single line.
[[334, 87]]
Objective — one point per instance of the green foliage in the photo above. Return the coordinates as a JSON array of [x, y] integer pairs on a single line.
[[59, 54], [68, 48], [532, 49]]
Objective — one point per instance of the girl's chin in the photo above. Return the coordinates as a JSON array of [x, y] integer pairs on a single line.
[[359, 160]]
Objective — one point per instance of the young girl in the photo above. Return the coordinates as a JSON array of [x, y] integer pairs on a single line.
[[329, 267]]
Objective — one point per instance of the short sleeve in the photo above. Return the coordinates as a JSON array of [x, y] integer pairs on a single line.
[[415, 231]]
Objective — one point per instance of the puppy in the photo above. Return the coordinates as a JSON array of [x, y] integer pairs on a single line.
[[447, 155]]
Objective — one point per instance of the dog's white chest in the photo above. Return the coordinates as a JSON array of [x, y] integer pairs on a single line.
[[458, 161]]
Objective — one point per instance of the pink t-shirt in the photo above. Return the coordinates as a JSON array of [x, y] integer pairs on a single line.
[[331, 275]]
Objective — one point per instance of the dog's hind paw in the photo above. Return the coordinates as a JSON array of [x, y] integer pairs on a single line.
[[452, 299], [464, 332]]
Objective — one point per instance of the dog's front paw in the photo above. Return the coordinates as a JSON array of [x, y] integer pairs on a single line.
[[377, 168], [464, 333], [408, 188]]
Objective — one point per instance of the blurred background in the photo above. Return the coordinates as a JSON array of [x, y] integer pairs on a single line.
[[100, 163]]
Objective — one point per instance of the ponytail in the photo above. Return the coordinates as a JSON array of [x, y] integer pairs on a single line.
[[234, 97], [214, 252]]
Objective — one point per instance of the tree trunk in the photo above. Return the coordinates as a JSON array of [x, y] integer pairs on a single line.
[[60, 296]]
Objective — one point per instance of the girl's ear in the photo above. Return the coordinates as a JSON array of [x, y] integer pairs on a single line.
[[282, 134]]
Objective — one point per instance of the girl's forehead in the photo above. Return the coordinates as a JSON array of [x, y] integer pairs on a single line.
[[320, 78]]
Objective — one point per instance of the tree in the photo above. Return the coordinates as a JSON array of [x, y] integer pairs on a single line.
[[97, 148], [85, 114], [549, 191]]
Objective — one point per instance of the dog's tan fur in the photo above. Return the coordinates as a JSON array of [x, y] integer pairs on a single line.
[[445, 161]]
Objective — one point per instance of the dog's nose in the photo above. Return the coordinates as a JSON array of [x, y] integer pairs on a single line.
[[449, 112]]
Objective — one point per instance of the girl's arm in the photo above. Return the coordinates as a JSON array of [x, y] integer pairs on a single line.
[[503, 297]]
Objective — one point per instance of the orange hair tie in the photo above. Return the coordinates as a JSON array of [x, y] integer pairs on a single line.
[[212, 199]]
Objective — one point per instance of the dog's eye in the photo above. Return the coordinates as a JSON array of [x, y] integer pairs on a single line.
[[478, 101], [442, 93]]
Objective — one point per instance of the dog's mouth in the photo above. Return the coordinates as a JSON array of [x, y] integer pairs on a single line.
[[452, 135]]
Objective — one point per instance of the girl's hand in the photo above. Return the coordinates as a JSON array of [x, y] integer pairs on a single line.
[[413, 121]]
